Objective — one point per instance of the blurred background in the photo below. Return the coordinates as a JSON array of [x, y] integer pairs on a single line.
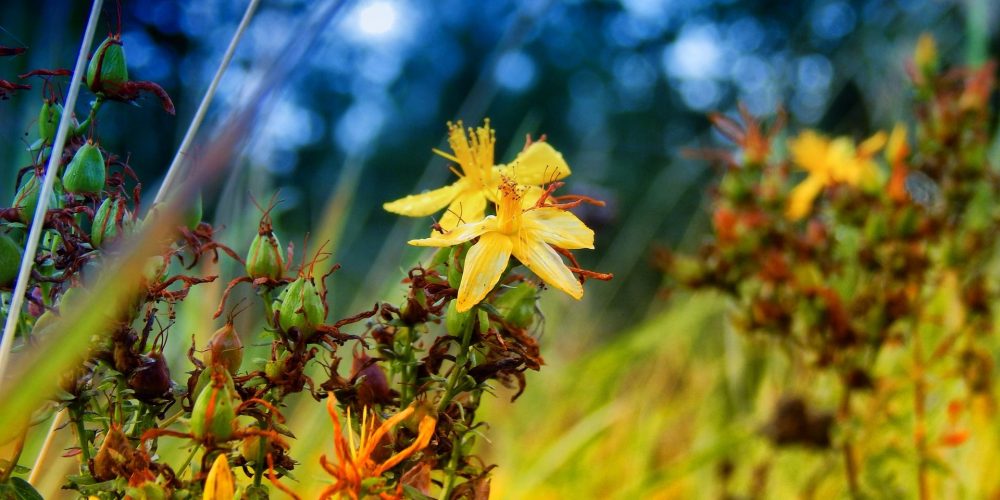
[[621, 88]]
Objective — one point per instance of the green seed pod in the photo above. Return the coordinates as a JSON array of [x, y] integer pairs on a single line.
[[517, 305], [26, 198], [484, 321], [10, 260], [301, 307], [48, 120], [107, 71], [214, 412], [264, 258], [43, 324], [85, 173], [225, 348], [109, 221], [456, 322]]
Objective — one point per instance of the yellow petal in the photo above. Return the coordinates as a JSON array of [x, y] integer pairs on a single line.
[[801, 199], [559, 227], [461, 234], [219, 483], [426, 203], [539, 164], [484, 264], [547, 264], [809, 150], [470, 206], [872, 144]]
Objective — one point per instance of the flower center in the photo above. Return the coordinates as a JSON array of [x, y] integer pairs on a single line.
[[473, 151], [509, 208]]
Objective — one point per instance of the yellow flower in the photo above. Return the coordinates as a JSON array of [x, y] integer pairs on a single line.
[[925, 55], [525, 234], [830, 162], [219, 485], [355, 467], [539, 163]]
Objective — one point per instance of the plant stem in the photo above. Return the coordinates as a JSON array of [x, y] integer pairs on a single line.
[[94, 108], [81, 434], [850, 464], [459, 369], [175, 166], [920, 414], [258, 466], [449, 482], [187, 461], [407, 373]]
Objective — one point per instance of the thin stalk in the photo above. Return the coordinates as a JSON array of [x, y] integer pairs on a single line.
[[81, 433], [258, 466], [449, 482], [175, 166], [51, 172], [920, 415], [82, 128], [459, 370], [187, 461], [43, 454], [407, 373], [850, 462]]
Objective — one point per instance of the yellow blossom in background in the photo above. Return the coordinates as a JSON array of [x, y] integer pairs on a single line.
[[220, 484], [830, 162], [925, 55], [479, 178], [525, 234], [355, 471]]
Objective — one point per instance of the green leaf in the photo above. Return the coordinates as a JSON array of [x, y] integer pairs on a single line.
[[18, 489]]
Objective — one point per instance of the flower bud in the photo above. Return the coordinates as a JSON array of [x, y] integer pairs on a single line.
[[456, 322], [26, 198], [264, 258], [517, 305], [214, 412], [925, 56], [10, 260], [85, 173], [43, 323], [48, 120], [109, 221], [107, 71], [151, 379], [225, 348], [301, 307], [253, 447], [220, 484]]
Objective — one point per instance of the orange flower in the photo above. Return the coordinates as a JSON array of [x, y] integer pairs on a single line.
[[355, 468]]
